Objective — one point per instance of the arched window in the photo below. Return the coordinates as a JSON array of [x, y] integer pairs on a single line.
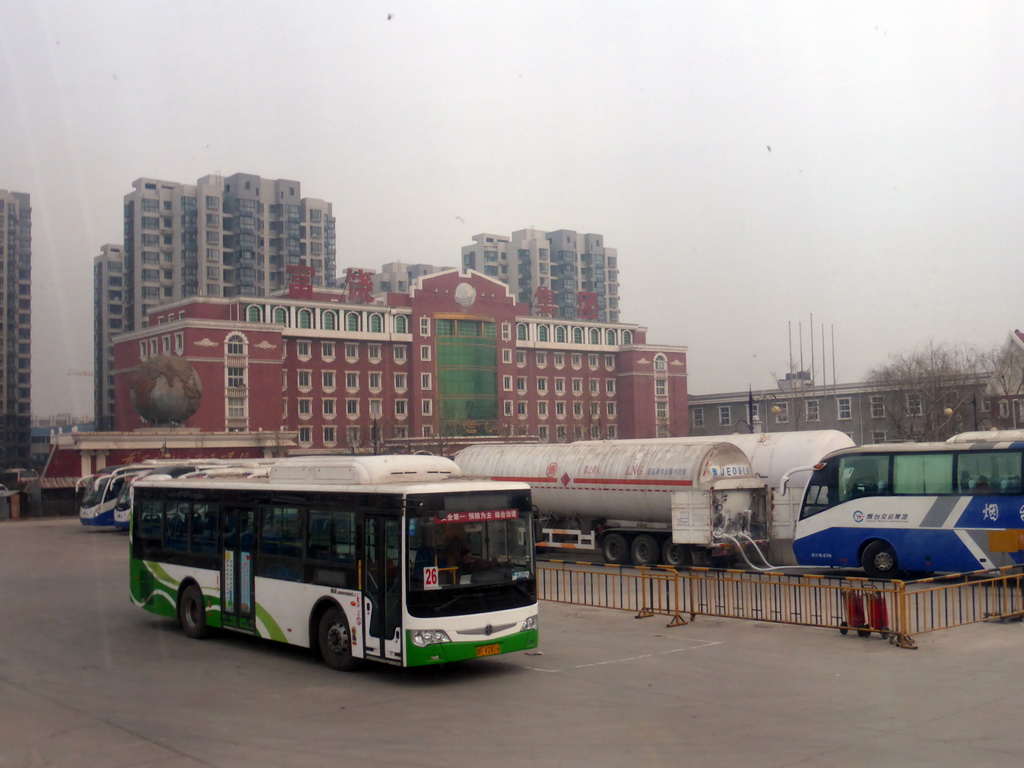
[[609, 337], [305, 318], [560, 334], [627, 337], [577, 335], [542, 333], [660, 363], [329, 320], [595, 336], [521, 332], [353, 321], [235, 345], [376, 323], [401, 324], [280, 316], [254, 314]]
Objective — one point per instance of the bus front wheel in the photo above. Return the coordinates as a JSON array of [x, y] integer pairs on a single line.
[[192, 613], [335, 641], [879, 561]]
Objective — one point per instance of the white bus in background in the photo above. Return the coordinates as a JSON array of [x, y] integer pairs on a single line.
[[784, 460], [989, 436]]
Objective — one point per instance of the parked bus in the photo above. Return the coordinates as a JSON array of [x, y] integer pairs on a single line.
[[123, 503], [918, 507], [101, 492], [390, 558]]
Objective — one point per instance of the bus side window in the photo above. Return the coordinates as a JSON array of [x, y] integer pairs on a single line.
[[815, 501]]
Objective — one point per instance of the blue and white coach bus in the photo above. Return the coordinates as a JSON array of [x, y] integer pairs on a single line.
[[928, 507]]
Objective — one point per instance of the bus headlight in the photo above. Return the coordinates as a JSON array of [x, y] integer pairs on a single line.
[[530, 623], [425, 637]]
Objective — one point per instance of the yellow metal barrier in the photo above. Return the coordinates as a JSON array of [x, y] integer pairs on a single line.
[[895, 610]]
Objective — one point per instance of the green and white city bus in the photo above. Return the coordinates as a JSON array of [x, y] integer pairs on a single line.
[[392, 558]]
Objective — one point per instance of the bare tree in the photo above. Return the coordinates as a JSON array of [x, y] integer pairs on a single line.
[[1004, 369], [928, 393]]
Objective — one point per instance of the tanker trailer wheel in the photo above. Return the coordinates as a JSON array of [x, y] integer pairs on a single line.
[[615, 549], [645, 550], [676, 555]]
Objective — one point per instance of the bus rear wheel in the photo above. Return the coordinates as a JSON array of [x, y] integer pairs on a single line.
[[335, 640], [192, 613], [879, 561]]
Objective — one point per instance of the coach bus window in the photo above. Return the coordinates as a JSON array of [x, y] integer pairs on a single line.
[[989, 472], [923, 473], [865, 475]]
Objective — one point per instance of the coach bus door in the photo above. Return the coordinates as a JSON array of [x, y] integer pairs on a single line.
[[382, 589], [238, 607]]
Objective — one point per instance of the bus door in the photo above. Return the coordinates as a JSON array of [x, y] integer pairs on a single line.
[[382, 588], [238, 606]]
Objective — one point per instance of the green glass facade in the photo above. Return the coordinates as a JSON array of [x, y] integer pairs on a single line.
[[467, 373]]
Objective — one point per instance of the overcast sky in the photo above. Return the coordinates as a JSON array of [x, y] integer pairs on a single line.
[[754, 163]]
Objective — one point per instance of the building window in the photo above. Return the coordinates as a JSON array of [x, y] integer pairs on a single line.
[[542, 359], [698, 417], [724, 415], [878, 437], [427, 407], [609, 386], [236, 377], [660, 387], [424, 326], [560, 408], [375, 381], [352, 380], [329, 406], [542, 384], [373, 352], [425, 381], [520, 358], [542, 409], [330, 435], [425, 352], [305, 380], [327, 379], [303, 349], [401, 407], [559, 385], [811, 411], [508, 407], [327, 350], [351, 352], [845, 408], [352, 436], [610, 409], [914, 405], [401, 382], [782, 415], [506, 356], [305, 436], [521, 408], [305, 407], [401, 324], [236, 345], [542, 433], [399, 353], [877, 407], [352, 406], [506, 383], [521, 384]]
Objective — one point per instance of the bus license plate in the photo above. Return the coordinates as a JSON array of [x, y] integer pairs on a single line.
[[488, 650]]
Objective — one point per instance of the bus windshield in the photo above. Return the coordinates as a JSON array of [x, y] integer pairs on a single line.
[[465, 541], [95, 493]]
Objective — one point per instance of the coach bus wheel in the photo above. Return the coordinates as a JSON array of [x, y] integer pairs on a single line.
[[192, 613], [879, 561], [615, 549], [335, 640], [645, 550], [676, 555]]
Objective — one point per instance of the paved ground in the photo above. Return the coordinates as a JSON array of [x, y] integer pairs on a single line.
[[88, 680]]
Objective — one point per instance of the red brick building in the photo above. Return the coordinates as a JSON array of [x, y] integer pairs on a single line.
[[457, 359]]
